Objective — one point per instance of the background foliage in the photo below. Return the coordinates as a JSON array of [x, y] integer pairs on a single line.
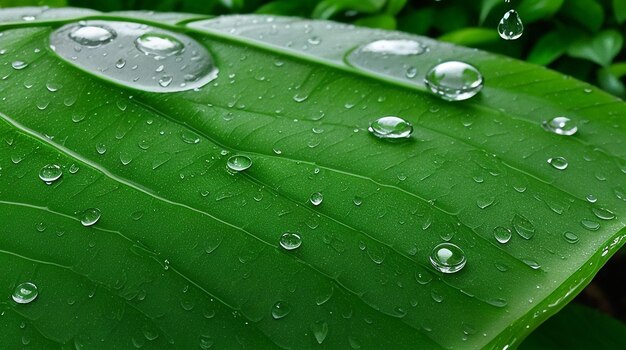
[[581, 38]]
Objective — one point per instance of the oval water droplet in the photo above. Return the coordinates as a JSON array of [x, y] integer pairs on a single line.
[[603, 214], [448, 258], [190, 137], [280, 310], [90, 216], [560, 126], [50, 173], [502, 234], [290, 241], [18, 65], [570, 237], [454, 80], [397, 47], [25, 293], [590, 224], [138, 56], [320, 331], [559, 163], [92, 35], [316, 198], [239, 163], [391, 127], [510, 26], [159, 45], [523, 227]]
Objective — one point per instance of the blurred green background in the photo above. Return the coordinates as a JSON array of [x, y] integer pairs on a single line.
[[581, 38]]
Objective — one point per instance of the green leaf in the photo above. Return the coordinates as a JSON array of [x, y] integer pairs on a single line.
[[588, 13], [329, 8], [553, 45], [533, 10], [14, 3], [486, 6], [618, 69], [611, 83], [577, 327], [619, 9], [378, 21], [471, 36], [187, 253], [601, 48], [395, 6], [418, 21]]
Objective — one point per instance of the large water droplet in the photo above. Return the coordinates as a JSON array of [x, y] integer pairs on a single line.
[[50, 173], [510, 26], [239, 163], [570, 237], [454, 80], [602, 213], [280, 310], [90, 216], [138, 56], [398, 47], [92, 35], [502, 234], [25, 293], [559, 163], [560, 126], [19, 65], [290, 240], [391, 128], [448, 258], [523, 227], [316, 198]]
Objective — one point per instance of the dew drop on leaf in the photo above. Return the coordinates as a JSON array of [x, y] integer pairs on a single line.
[[558, 163], [448, 258], [398, 47], [316, 198], [523, 227], [502, 234], [19, 65], [50, 173], [92, 35], [290, 240], [90, 216], [454, 80], [239, 163], [25, 293], [560, 126], [391, 128], [320, 331], [570, 237], [159, 46], [510, 26], [280, 310]]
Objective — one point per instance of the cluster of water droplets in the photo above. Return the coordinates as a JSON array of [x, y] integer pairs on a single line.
[[137, 55]]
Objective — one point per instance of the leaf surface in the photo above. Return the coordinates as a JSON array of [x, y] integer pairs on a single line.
[[187, 253]]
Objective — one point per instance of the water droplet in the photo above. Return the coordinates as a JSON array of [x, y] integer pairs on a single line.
[[447, 258], [101, 148], [570, 237], [19, 65], [90, 216], [159, 45], [560, 126], [120, 63], [590, 224], [290, 240], [485, 201], [239, 163], [92, 35], [391, 128], [316, 198], [280, 310], [502, 234], [510, 26], [166, 80], [50, 173], [320, 331], [190, 137], [523, 227], [591, 198], [454, 80], [25, 293], [357, 201], [400, 47], [603, 214], [559, 163], [532, 264]]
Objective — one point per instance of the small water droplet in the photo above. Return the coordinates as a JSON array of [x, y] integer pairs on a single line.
[[399, 47], [591, 198], [290, 240], [239, 163], [510, 26], [532, 264], [559, 163], [502, 234], [50, 173], [560, 126], [357, 201], [19, 65], [190, 137], [320, 331], [448, 258], [590, 224], [280, 310], [391, 128], [570, 237], [165, 80], [92, 35], [101, 148], [316, 198], [90, 216], [159, 45], [454, 80], [523, 227], [28, 18], [603, 214], [120, 63], [485, 201], [25, 293]]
